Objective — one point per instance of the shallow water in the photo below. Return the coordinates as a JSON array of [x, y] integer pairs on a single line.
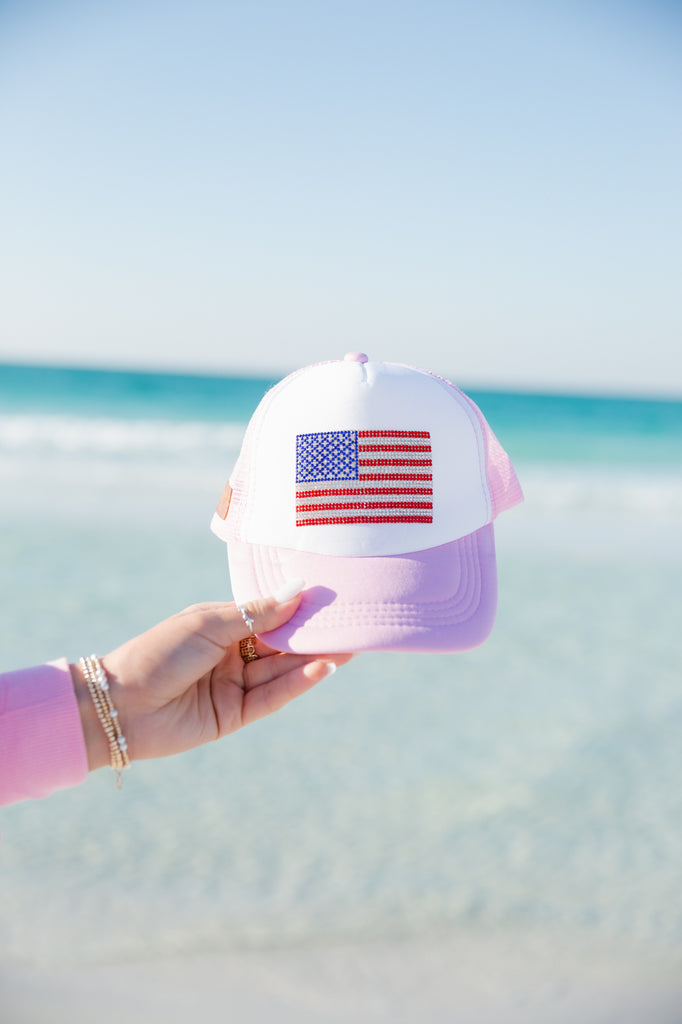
[[534, 783]]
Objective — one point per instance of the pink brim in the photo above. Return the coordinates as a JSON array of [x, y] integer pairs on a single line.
[[439, 600]]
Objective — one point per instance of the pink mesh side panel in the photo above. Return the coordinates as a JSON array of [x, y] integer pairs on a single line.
[[505, 489], [240, 480], [503, 485]]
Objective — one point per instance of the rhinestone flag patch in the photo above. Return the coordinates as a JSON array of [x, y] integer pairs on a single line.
[[363, 476]]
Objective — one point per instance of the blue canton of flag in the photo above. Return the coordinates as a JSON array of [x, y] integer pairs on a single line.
[[329, 455]]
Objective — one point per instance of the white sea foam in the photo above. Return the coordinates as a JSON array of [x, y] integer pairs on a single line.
[[617, 492], [110, 436]]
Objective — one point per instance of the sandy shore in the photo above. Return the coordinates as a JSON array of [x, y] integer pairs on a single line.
[[468, 980]]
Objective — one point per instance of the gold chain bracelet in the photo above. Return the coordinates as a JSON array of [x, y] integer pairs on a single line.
[[98, 685]]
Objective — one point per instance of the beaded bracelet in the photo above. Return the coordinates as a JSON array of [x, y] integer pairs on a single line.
[[98, 685]]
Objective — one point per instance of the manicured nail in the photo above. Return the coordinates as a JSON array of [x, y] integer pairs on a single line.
[[312, 669], [289, 590]]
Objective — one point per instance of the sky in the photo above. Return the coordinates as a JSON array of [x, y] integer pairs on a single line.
[[491, 190]]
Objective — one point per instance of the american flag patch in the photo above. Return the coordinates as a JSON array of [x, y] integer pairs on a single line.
[[363, 476]]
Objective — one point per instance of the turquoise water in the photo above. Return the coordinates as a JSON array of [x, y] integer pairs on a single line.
[[576, 427], [533, 785]]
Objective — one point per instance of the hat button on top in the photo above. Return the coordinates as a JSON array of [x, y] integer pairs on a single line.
[[355, 357]]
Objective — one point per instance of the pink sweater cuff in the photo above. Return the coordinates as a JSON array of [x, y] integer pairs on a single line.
[[41, 738]]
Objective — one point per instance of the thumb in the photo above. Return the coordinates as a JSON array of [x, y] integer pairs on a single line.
[[266, 613]]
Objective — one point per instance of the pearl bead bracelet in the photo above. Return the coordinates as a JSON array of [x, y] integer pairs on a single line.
[[98, 685]]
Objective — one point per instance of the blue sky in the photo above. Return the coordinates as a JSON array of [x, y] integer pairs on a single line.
[[491, 190]]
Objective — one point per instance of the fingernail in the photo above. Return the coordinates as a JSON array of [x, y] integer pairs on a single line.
[[289, 590], [312, 669]]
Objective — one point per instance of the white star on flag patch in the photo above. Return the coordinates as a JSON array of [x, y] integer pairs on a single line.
[[363, 476]]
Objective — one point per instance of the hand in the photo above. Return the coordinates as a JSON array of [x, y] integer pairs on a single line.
[[183, 682]]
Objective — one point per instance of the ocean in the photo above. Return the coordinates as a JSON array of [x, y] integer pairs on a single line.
[[532, 786]]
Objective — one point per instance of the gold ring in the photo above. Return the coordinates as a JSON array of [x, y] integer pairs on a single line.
[[247, 649]]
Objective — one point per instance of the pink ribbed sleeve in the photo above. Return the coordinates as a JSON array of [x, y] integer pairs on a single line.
[[41, 739]]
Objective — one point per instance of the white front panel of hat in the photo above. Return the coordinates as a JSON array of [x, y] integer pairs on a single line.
[[365, 459]]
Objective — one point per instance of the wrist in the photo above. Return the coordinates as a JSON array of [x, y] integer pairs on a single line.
[[96, 744]]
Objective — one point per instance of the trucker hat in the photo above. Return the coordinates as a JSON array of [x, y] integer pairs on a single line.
[[376, 483]]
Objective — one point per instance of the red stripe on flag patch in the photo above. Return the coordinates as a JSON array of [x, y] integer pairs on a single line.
[[423, 477], [334, 521], [348, 491], [394, 433], [391, 448], [422, 463]]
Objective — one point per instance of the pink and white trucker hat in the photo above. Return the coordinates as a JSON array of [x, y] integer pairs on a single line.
[[377, 483]]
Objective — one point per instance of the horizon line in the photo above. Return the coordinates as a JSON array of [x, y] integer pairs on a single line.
[[529, 390]]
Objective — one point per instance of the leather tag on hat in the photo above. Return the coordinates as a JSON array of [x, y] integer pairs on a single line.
[[224, 503]]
